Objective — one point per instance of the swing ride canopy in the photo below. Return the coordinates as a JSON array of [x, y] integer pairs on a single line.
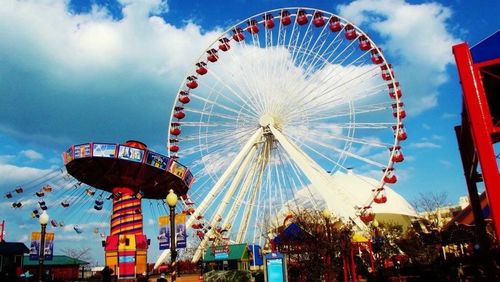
[[106, 166]]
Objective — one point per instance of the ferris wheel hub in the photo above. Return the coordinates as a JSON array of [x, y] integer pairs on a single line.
[[268, 119]]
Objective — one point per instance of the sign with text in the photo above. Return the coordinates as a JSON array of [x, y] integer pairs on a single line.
[[275, 267]]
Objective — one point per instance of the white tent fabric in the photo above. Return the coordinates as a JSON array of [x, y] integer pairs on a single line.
[[359, 188]]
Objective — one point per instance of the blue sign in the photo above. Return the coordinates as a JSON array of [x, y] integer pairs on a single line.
[[275, 267], [222, 255], [255, 255]]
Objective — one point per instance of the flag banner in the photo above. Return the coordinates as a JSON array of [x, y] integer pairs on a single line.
[[164, 236], [35, 245], [180, 231], [49, 246]]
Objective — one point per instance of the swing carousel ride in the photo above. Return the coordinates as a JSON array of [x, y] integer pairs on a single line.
[[270, 113], [122, 174]]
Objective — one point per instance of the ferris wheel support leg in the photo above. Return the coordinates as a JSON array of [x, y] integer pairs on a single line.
[[217, 187], [241, 194], [224, 203], [223, 179], [251, 204], [233, 186], [319, 178]]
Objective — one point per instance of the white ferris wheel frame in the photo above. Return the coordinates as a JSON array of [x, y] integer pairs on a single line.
[[242, 162]]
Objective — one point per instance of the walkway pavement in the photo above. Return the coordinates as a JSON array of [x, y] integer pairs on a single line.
[[183, 278]]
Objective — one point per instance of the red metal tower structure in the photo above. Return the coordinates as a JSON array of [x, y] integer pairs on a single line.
[[479, 73]]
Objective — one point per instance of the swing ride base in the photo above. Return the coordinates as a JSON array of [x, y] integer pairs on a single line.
[[126, 254]]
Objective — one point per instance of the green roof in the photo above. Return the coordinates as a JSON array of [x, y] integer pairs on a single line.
[[236, 252], [56, 260]]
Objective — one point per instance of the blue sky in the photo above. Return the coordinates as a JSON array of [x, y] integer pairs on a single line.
[[108, 71]]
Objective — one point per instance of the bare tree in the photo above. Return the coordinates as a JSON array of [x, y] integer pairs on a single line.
[[431, 205], [77, 253]]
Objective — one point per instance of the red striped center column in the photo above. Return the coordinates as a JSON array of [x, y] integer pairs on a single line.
[[127, 216]]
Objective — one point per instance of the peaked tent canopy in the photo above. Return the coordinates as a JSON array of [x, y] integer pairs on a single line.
[[357, 189]]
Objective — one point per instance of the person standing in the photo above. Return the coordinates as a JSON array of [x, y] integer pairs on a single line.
[[162, 278], [143, 277], [106, 274]]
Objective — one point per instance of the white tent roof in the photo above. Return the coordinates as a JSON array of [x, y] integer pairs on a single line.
[[358, 189]]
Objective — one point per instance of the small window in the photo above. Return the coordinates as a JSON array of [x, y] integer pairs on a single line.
[[18, 260]]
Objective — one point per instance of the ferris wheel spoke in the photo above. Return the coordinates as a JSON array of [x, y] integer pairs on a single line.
[[219, 105], [324, 98], [362, 141], [250, 110], [248, 74], [318, 80], [205, 124], [245, 99], [365, 109], [366, 125], [319, 152], [214, 145], [217, 149], [350, 154], [211, 114], [321, 59], [358, 78], [300, 47], [219, 135], [294, 36], [314, 52]]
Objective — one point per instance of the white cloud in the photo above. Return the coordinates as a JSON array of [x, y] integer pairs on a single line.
[[14, 175], [125, 71], [437, 137], [32, 155], [424, 145], [417, 36]]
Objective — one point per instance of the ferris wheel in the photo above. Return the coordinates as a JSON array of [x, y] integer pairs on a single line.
[[275, 107]]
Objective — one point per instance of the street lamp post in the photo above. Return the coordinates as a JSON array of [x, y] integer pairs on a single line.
[[172, 202], [327, 215], [44, 219]]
